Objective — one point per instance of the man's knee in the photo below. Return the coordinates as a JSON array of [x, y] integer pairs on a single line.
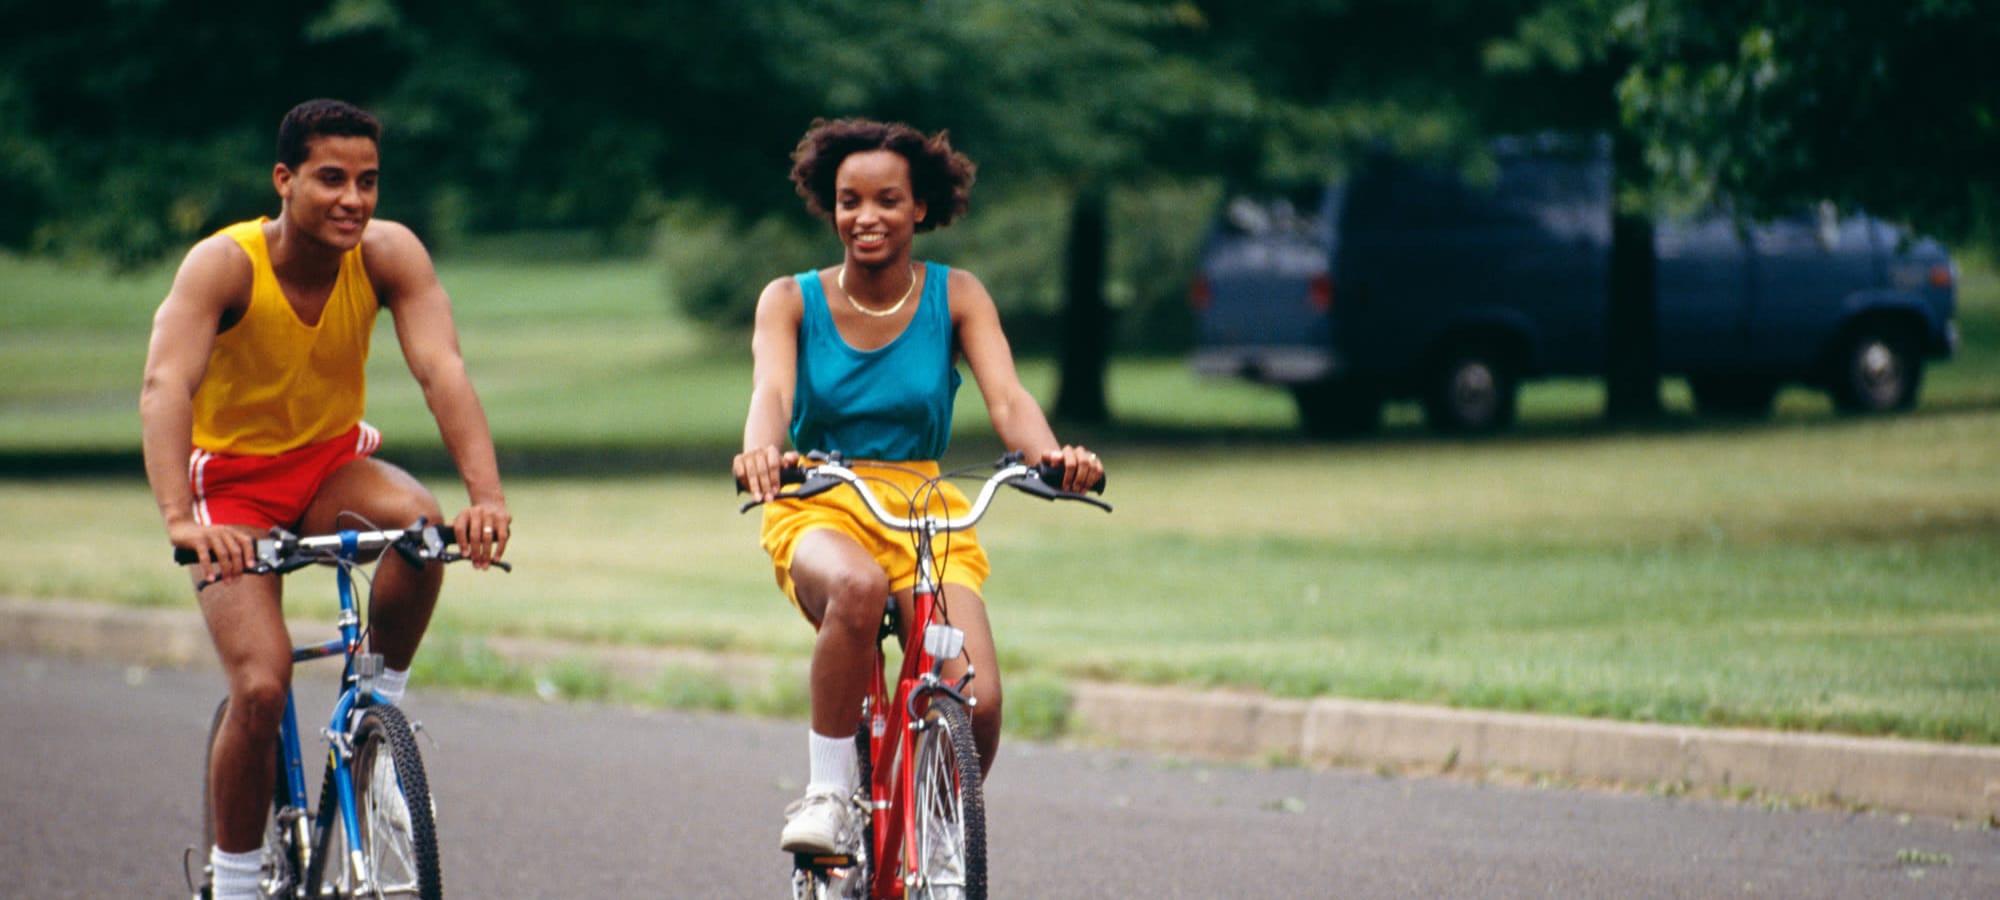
[[403, 507], [257, 699], [387, 496]]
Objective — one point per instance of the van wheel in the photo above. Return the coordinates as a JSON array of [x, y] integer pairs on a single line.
[[1337, 409], [1877, 371], [1746, 396], [1473, 392]]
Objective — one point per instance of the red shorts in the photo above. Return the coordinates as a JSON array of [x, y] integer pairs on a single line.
[[268, 491]]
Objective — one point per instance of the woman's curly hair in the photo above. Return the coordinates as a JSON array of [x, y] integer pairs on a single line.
[[939, 176]]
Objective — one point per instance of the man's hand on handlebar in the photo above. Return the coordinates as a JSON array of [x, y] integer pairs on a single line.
[[224, 552], [482, 532]]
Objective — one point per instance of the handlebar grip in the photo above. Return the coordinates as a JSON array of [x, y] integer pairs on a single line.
[[786, 475], [1053, 477]]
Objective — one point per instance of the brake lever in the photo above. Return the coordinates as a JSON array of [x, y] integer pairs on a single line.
[[450, 557], [264, 568], [809, 484], [1032, 483], [1041, 481]]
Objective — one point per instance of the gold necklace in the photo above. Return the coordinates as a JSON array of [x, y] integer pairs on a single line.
[[841, 279]]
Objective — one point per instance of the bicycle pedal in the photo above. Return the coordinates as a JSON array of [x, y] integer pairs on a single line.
[[820, 862]]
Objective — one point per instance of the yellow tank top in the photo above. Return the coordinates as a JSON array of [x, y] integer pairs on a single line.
[[275, 383]]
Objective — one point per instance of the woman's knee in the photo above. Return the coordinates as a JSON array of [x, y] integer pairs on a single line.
[[854, 598]]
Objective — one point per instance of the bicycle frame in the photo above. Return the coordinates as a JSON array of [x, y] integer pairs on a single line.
[[892, 772], [929, 642], [359, 721]]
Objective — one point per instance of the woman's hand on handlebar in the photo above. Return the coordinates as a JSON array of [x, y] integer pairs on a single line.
[[1081, 468], [757, 471]]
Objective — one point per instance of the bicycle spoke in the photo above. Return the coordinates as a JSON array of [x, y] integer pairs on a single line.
[[941, 820], [951, 863], [387, 835], [397, 839]]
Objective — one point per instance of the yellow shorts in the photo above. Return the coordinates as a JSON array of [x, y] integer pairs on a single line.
[[840, 509]]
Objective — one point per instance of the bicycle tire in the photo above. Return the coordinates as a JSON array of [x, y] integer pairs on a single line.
[[400, 850], [864, 841], [951, 808], [280, 863], [323, 825]]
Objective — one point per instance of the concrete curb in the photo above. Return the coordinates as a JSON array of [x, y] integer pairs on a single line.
[[1952, 780]]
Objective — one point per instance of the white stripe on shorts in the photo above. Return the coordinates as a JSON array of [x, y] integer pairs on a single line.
[[197, 464]]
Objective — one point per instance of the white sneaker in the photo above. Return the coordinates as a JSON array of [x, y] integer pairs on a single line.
[[815, 823]]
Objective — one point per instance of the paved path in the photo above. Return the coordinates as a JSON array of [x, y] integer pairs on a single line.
[[1948, 780], [100, 773]]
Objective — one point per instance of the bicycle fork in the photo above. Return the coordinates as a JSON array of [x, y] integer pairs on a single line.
[[340, 753], [942, 642]]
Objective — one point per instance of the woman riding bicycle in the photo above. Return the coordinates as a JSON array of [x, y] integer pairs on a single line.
[[860, 358]]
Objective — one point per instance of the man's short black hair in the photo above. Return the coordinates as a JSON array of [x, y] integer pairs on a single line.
[[322, 118]]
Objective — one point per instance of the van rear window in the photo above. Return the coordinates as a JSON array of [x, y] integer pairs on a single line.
[[1297, 211]]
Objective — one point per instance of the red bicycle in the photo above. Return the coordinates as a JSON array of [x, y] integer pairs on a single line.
[[919, 784]]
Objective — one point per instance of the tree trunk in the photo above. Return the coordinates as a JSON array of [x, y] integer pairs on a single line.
[[1086, 320], [1632, 359]]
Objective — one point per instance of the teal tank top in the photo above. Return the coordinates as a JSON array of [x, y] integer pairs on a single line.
[[893, 403]]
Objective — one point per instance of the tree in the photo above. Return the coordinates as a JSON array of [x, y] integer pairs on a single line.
[[1889, 106], [1884, 105], [1569, 51]]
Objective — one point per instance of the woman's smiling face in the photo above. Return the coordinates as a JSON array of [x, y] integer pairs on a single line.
[[875, 211]]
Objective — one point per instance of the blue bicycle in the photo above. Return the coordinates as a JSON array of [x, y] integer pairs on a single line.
[[374, 834]]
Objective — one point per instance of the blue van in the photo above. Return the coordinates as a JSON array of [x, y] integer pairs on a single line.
[[1408, 282]]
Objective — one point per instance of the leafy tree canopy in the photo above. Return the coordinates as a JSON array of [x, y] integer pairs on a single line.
[[1889, 105]]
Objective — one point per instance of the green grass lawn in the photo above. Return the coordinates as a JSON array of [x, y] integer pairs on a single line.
[[1812, 572]]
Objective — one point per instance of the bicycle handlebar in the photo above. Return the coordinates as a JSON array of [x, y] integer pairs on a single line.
[[1042, 480], [284, 552]]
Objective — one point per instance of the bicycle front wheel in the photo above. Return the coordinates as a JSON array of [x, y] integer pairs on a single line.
[[951, 811], [397, 819], [280, 862]]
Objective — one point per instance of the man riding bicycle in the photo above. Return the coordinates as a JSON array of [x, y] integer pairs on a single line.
[[251, 419]]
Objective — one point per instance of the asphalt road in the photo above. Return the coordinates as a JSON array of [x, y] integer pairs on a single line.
[[100, 774]]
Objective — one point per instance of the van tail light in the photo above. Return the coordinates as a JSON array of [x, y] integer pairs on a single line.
[[1201, 292], [1942, 277], [1320, 292]]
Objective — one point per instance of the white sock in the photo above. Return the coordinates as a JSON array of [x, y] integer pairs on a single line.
[[833, 764], [390, 684], [235, 874]]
